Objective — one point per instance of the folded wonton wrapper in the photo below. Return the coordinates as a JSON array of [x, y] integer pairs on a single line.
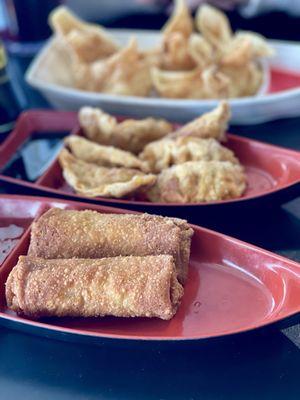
[[126, 73], [212, 124], [166, 152], [214, 26], [131, 135], [91, 180], [178, 84], [106, 156], [174, 54], [88, 42], [198, 181]]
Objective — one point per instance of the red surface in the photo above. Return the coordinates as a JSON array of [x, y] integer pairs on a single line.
[[268, 168], [232, 286], [283, 80]]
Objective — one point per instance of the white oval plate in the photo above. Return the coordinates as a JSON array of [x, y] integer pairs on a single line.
[[49, 73]]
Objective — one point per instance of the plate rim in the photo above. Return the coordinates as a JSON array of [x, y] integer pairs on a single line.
[[147, 101], [37, 114], [79, 332]]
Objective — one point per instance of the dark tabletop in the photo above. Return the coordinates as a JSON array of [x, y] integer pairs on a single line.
[[261, 364]]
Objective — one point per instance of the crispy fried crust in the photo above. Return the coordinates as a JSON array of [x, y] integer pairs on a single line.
[[107, 156], [131, 135], [119, 286], [68, 233], [88, 42], [167, 152], [197, 181], [92, 180]]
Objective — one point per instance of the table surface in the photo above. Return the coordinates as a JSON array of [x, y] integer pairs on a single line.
[[259, 364]]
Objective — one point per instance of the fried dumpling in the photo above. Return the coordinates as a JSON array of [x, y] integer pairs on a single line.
[[89, 42], [175, 35], [178, 84], [92, 180], [258, 43], [214, 26], [198, 181], [131, 135], [167, 152], [200, 50], [180, 21], [249, 82], [106, 156], [212, 124], [124, 73]]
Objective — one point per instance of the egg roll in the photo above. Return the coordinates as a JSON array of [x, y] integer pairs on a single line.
[[118, 286], [89, 234]]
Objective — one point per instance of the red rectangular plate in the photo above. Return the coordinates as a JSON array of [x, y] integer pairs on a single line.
[[232, 286], [270, 170]]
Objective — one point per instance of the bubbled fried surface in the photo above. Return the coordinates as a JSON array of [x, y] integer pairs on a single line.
[[69, 233], [199, 181], [120, 286], [92, 180]]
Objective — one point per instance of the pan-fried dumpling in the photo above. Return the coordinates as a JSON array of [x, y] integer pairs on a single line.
[[197, 181], [178, 84], [124, 73], [89, 42], [214, 26], [106, 156], [91, 180], [131, 135], [212, 124], [166, 152]]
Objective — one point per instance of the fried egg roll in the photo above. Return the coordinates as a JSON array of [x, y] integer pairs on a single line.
[[90, 234], [118, 286]]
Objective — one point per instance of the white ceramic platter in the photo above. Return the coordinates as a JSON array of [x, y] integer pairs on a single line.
[[49, 73]]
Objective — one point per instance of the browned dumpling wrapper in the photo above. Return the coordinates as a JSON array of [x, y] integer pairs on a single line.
[[178, 84], [212, 124], [199, 181], [131, 135], [174, 54], [88, 42], [126, 72], [96, 235], [92, 180], [107, 156], [166, 152], [120, 286]]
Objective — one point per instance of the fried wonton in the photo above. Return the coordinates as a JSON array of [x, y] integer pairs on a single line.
[[197, 181], [126, 72], [89, 42], [131, 135], [201, 51], [91, 180], [214, 26], [249, 82], [178, 84], [212, 124], [174, 53], [167, 152], [106, 156]]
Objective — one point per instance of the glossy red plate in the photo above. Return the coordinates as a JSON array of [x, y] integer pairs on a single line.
[[270, 170], [232, 286]]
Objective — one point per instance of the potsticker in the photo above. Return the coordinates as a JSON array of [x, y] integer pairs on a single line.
[[91, 180]]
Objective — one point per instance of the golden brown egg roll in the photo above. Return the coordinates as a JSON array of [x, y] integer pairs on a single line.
[[90, 234], [118, 286]]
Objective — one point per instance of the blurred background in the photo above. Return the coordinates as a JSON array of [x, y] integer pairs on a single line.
[[24, 27]]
